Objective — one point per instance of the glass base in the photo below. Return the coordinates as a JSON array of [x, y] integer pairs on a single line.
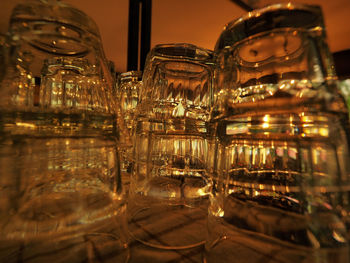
[[102, 242], [167, 226]]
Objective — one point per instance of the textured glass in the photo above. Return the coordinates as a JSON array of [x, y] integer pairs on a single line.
[[170, 179], [60, 180], [128, 90], [281, 165]]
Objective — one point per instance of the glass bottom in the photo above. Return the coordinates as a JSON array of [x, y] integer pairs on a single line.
[[140, 252], [167, 226], [104, 241], [238, 245]]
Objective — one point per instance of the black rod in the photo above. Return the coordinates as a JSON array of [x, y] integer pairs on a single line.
[[146, 20], [243, 5], [341, 62], [133, 35]]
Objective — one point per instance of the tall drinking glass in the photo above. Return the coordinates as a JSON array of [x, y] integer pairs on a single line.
[[60, 181], [170, 187], [281, 166]]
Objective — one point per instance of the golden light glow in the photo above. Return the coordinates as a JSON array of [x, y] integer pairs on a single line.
[[25, 125], [306, 119], [202, 192], [173, 194], [266, 120], [339, 237], [324, 132]]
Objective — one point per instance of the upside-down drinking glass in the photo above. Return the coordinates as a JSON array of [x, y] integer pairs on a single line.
[[128, 89], [170, 187], [281, 166], [60, 176]]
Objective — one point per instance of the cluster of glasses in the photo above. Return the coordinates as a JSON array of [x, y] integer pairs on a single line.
[[241, 153]]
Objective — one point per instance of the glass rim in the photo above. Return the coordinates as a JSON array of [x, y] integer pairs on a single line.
[[80, 64], [181, 51], [132, 75], [231, 27], [274, 7], [55, 12]]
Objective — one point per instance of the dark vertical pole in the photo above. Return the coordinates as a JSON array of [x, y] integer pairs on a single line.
[[146, 21], [135, 29], [133, 35], [242, 4]]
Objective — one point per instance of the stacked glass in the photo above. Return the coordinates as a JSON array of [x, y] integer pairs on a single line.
[[128, 89], [60, 180], [281, 166], [169, 188]]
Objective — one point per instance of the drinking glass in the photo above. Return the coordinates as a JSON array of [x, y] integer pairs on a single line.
[[60, 180], [128, 89], [280, 126], [169, 188]]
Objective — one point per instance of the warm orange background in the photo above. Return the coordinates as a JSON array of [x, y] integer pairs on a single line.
[[193, 21]]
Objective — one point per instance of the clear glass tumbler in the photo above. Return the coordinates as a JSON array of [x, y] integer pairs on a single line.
[[281, 166], [169, 189], [128, 88], [60, 182]]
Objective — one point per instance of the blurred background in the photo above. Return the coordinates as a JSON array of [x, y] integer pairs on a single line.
[[192, 21]]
